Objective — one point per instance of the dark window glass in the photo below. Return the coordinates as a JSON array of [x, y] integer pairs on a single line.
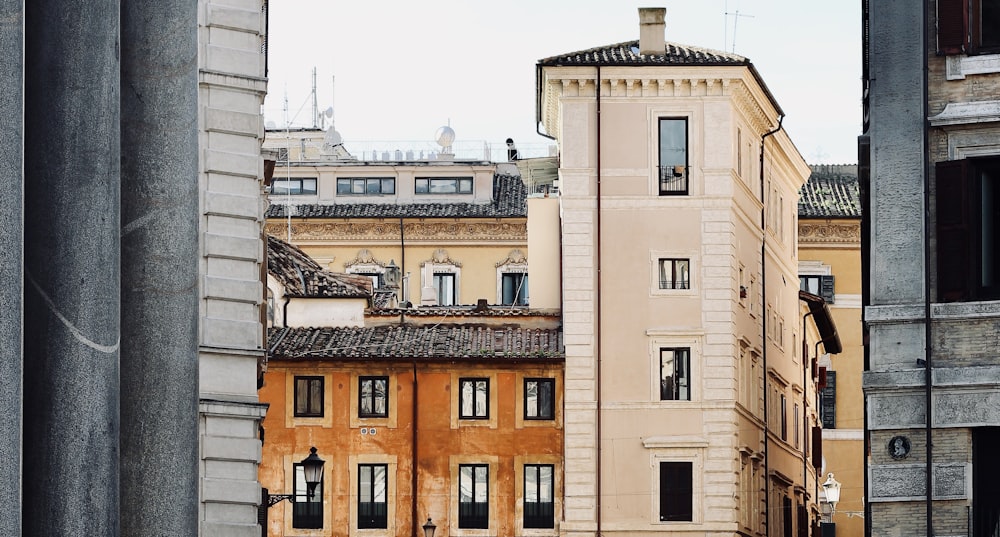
[[676, 492], [784, 417], [675, 274], [539, 489], [515, 289], [372, 506], [443, 185], [675, 371], [985, 469], [673, 171], [473, 496], [373, 395], [370, 186], [309, 397], [307, 511], [818, 285], [538, 399], [474, 398]]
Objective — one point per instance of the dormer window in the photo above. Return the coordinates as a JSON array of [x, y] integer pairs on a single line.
[[294, 185], [443, 185], [365, 186]]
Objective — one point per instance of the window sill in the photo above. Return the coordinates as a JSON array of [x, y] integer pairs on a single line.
[[959, 66]]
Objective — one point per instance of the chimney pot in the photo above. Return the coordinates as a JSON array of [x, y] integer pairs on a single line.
[[651, 30]]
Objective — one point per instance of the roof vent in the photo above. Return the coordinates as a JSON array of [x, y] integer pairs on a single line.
[[651, 31]]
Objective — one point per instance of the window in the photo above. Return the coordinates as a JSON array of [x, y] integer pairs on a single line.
[[375, 277], [474, 396], [675, 367], [796, 419], [294, 185], [365, 186], [444, 284], [784, 417], [828, 400], [817, 285], [539, 509], [538, 399], [673, 171], [372, 507], [474, 496], [985, 468], [675, 274], [676, 493], [373, 397], [515, 289], [307, 511], [442, 185], [968, 26], [968, 229], [309, 397]]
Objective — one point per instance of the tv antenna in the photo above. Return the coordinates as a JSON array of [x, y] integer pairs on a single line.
[[736, 19]]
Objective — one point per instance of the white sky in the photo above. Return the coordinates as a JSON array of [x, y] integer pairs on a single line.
[[404, 68]]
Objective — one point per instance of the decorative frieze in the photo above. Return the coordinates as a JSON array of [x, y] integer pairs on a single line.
[[829, 232], [516, 231]]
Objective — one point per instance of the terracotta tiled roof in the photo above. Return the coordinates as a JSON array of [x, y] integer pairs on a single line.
[[302, 276], [831, 192], [627, 53], [405, 342], [461, 311], [509, 195]]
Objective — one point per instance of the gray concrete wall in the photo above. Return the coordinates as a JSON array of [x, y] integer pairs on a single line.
[[11, 259]]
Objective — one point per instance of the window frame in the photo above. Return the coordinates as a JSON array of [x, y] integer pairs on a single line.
[[437, 279], [675, 387], [309, 411], [373, 413], [380, 519], [678, 172], [475, 414], [682, 490], [539, 416], [475, 519], [676, 282], [307, 513], [300, 191], [362, 186], [462, 186], [542, 515], [520, 296]]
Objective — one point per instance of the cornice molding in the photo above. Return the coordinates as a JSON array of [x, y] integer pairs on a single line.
[[829, 232], [413, 231]]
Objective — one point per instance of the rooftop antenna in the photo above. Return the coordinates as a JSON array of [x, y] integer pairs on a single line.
[[736, 19], [315, 105]]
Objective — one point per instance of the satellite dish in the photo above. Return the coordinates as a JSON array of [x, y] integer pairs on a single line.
[[328, 112]]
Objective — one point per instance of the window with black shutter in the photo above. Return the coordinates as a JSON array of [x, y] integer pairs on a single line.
[[968, 229], [676, 494], [968, 26], [820, 285], [828, 401]]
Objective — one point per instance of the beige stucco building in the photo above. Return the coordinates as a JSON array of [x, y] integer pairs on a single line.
[[689, 406], [830, 266]]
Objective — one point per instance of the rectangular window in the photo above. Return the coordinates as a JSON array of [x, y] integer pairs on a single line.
[[673, 171], [539, 489], [474, 496], [796, 419], [372, 506], [968, 26], [309, 397], [675, 273], [474, 398], [675, 370], [442, 185], [786, 518], [444, 284], [307, 511], [828, 401], [817, 285], [373, 397], [676, 493], [539, 399], [375, 277], [515, 289], [294, 186], [365, 186], [784, 417]]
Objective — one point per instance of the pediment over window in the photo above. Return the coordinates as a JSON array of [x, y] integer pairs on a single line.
[[364, 257], [441, 257], [515, 257]]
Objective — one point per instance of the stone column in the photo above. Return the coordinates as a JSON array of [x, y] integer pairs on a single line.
[[11, 259], [71, 268], [159, 355]]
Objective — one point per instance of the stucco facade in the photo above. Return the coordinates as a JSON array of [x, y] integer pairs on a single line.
[[928, 144], [673, 259]]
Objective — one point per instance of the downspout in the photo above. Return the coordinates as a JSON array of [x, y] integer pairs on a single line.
[[928, 371], [413, 465], [806, 365], [597, 313], [763, 322], [402, 276]]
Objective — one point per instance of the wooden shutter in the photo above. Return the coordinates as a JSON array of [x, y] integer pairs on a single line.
[[676, 494], [954, 254], [952, 26], [828, 401], [826, 288], [817, 451]]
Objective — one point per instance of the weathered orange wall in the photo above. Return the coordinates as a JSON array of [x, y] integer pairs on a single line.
[[437, 441]]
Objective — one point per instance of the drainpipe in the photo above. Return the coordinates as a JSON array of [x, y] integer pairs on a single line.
[[402, 273], [763, 322], [806, 365], [597, 313], [928, 371], [413, 454]]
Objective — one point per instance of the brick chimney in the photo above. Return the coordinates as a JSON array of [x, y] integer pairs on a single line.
[[651, 30]]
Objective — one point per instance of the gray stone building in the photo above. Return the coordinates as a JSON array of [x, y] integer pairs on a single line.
[[929, 157]]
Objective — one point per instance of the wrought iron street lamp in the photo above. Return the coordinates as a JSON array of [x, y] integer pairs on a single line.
[[832, 489], [429, 528], [312, 467]]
